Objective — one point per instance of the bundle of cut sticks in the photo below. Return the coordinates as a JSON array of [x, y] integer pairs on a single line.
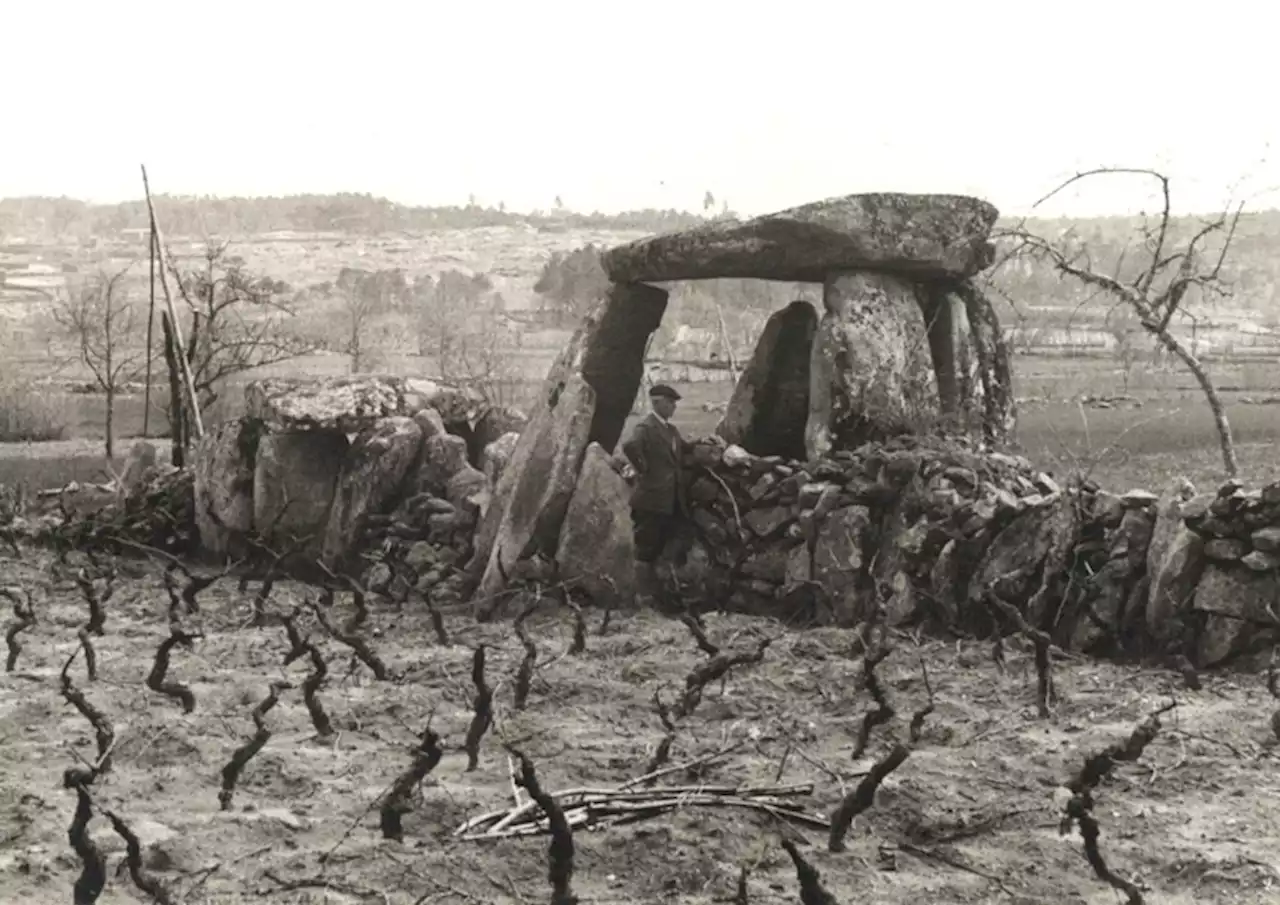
[[591, 809]]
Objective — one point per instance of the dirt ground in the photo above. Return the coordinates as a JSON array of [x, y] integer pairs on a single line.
[[971, 816]]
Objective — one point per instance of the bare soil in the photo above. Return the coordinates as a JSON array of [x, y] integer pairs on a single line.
[[971, 816]]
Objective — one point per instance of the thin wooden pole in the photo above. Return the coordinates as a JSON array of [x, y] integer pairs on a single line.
[[181, 355], [151, 319]]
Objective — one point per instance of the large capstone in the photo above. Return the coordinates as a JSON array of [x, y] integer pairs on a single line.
[[353, 403], [917, 235], [770, 405], [871, 373]]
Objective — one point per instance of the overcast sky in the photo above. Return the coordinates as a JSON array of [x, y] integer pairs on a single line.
[[639, 104]]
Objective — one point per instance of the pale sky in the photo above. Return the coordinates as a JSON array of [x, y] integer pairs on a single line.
[[648, 103]]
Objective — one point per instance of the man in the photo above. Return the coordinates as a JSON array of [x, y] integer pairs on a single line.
[[655, 450]]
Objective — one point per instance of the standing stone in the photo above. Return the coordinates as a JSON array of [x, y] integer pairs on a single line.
[[374, 470], [528, 506], [294, 478], [596, 376], [613, 350], [222, 464], [995, 368], [871, 374], [769, 407], [597, 551]]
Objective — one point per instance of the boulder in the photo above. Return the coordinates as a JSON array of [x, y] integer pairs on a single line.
[[1168, 524], [770, 404], [496, 455], [373, 472], [350, 404], [1013, 560], [468, 491], [529, 502], [456, 405], [597, 550], [916, 235], [1234, 605], [222, 464], [294, 477], [493, 423], [430, 423], [442, 457], [871, 374], [1173, 582], [840, 557]]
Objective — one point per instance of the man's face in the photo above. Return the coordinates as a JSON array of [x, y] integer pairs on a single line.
[[664, 406]]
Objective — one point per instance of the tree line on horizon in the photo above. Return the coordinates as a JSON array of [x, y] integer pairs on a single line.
[[54, 219]]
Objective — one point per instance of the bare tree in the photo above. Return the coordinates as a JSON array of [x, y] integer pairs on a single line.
[[1125, 331], [447, 308], [105, 326], [366, 296], [239, 322], [1168, 271]]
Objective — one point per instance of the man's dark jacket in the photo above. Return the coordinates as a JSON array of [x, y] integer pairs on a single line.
[[656, 451]]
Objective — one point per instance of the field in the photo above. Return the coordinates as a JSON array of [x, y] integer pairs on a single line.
[[1165, 432], [971, 815]]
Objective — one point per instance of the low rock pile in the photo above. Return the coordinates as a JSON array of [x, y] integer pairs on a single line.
[[323, 469], [925, 529]]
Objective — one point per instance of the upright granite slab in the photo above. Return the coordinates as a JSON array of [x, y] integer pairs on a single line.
[[871, 374], [222, 468], [529, 504], [585, 398], [769, 407], [921, 236]]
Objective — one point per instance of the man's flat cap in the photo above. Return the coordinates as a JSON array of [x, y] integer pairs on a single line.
[[662, 391]]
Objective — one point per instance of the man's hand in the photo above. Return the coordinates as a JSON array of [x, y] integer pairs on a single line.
[[628, 472]]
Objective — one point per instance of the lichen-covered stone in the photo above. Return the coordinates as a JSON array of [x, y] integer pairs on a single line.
[[351, 404], [529, 503], [871, 374], [597, 551], [222, 464], [1234, 604], [916, 235]]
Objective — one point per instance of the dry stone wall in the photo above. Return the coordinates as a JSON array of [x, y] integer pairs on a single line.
[[924, 530]]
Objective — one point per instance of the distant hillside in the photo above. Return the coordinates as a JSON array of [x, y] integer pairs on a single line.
[[62, 219], [513, 246]]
